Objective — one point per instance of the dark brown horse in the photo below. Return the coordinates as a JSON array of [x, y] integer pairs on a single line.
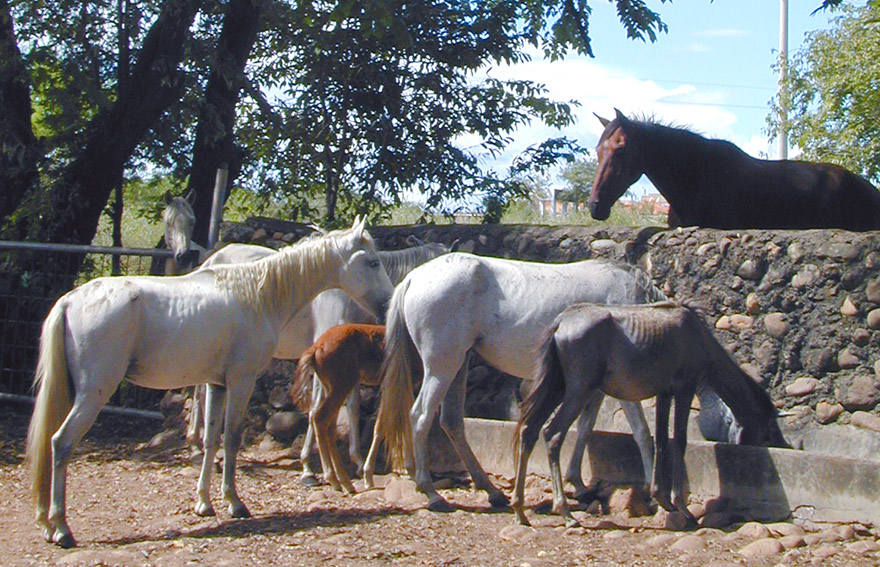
[[713, 183], [634, 352], [343, 357]]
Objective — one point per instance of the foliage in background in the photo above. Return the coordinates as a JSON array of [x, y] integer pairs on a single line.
[[834, 93]]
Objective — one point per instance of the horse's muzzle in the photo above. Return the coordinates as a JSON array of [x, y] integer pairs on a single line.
[[598, 211]]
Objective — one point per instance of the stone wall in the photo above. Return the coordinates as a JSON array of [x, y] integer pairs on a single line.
[[799, 310]]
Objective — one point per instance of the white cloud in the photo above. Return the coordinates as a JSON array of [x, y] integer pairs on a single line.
[[697, 48], [724, 33]]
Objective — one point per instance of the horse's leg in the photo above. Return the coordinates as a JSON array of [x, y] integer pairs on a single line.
[[308, 475], [78, 421], [353, 407], [213, 426], [554, 434], [325, 428], [236, 406], [193, 429], [452, 422], [434, 386], [586, 423], [679, 470], [528, 436], [660, 486], [642, 435], [370, 463]]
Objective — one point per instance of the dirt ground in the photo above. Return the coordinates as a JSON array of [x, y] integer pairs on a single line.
[[131, 505]]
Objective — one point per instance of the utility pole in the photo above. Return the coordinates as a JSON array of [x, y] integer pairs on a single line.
[[783, 77]]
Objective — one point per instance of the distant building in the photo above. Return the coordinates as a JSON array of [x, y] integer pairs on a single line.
[[555, 206]]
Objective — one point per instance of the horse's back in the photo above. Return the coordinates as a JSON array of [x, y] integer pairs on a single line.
[[237, 253], [638, 349], [500, 307], [350, 349]]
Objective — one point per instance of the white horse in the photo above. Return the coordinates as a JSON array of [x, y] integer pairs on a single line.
[[179, 220], [498, 308], [330, 308], [218, 325]]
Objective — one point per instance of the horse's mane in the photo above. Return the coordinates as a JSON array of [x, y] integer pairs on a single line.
[[398, 263], [675, 137], [268, 284]]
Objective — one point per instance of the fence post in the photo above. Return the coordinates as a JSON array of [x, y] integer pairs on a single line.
[[217, 205]]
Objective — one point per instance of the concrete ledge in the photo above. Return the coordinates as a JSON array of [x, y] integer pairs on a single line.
[[765, 484]]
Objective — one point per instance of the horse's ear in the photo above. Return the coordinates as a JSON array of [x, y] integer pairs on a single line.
[[621, 119], [412, 240], [605, 122], [357, 227], [168, 197], [191, 196]]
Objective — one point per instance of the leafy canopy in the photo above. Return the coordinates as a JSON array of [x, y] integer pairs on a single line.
[[834, 93]]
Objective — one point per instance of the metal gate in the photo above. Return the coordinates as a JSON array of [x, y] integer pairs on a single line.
[[23, 307]]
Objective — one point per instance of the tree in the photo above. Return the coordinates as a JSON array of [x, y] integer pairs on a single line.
[[834, 102], [579, 176], [214, 145]]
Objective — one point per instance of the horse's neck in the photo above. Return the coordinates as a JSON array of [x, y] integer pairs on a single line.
[[675, 159], [398, 263], [290, 279], [732, 385]]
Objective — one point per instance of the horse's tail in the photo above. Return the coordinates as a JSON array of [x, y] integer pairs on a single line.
[[301, 389], [397, 381], [53, 403], [547, 391]]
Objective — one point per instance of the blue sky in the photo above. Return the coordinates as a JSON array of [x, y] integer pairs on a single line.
[[712, 72]]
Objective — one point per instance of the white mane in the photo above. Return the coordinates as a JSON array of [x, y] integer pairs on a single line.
[[266, 285]]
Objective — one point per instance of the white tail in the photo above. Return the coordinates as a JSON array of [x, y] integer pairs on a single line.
[[52, 405], [397, 381]]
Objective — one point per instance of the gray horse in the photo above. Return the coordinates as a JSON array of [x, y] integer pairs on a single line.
[[634, 352]]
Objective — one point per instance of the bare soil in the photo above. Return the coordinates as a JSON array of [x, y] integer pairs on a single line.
[[131, 505]]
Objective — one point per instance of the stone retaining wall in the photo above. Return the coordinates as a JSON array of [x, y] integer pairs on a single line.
[[799, 310]]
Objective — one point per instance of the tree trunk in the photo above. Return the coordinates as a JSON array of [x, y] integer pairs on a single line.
[[83, 189], [215, 141], [75, 201], [19, 149]]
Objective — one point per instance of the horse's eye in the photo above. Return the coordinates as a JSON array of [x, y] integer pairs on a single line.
[[374, 263]]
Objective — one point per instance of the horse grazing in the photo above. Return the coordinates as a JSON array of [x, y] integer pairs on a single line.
[[341, 358], [217, 325], [633, 352], [714, 184], [179, 220], [498, 308], [329, 308]]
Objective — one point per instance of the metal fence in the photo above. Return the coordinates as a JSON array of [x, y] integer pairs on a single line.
[[23, 306]]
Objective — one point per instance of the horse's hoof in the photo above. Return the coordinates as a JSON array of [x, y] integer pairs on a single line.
[[499, 500], [440, 505], [309, 480], [239, 511], [65, 541], [205, 511], [571, 522]]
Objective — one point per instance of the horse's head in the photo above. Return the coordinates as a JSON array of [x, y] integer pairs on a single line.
[[619, 166], [179, 220], [361, 274], [764, 434]]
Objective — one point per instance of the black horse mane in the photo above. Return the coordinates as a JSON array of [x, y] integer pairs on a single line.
[[677, 136]]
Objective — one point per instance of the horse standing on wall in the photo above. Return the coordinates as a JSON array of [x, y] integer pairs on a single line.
[[714, 184]]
